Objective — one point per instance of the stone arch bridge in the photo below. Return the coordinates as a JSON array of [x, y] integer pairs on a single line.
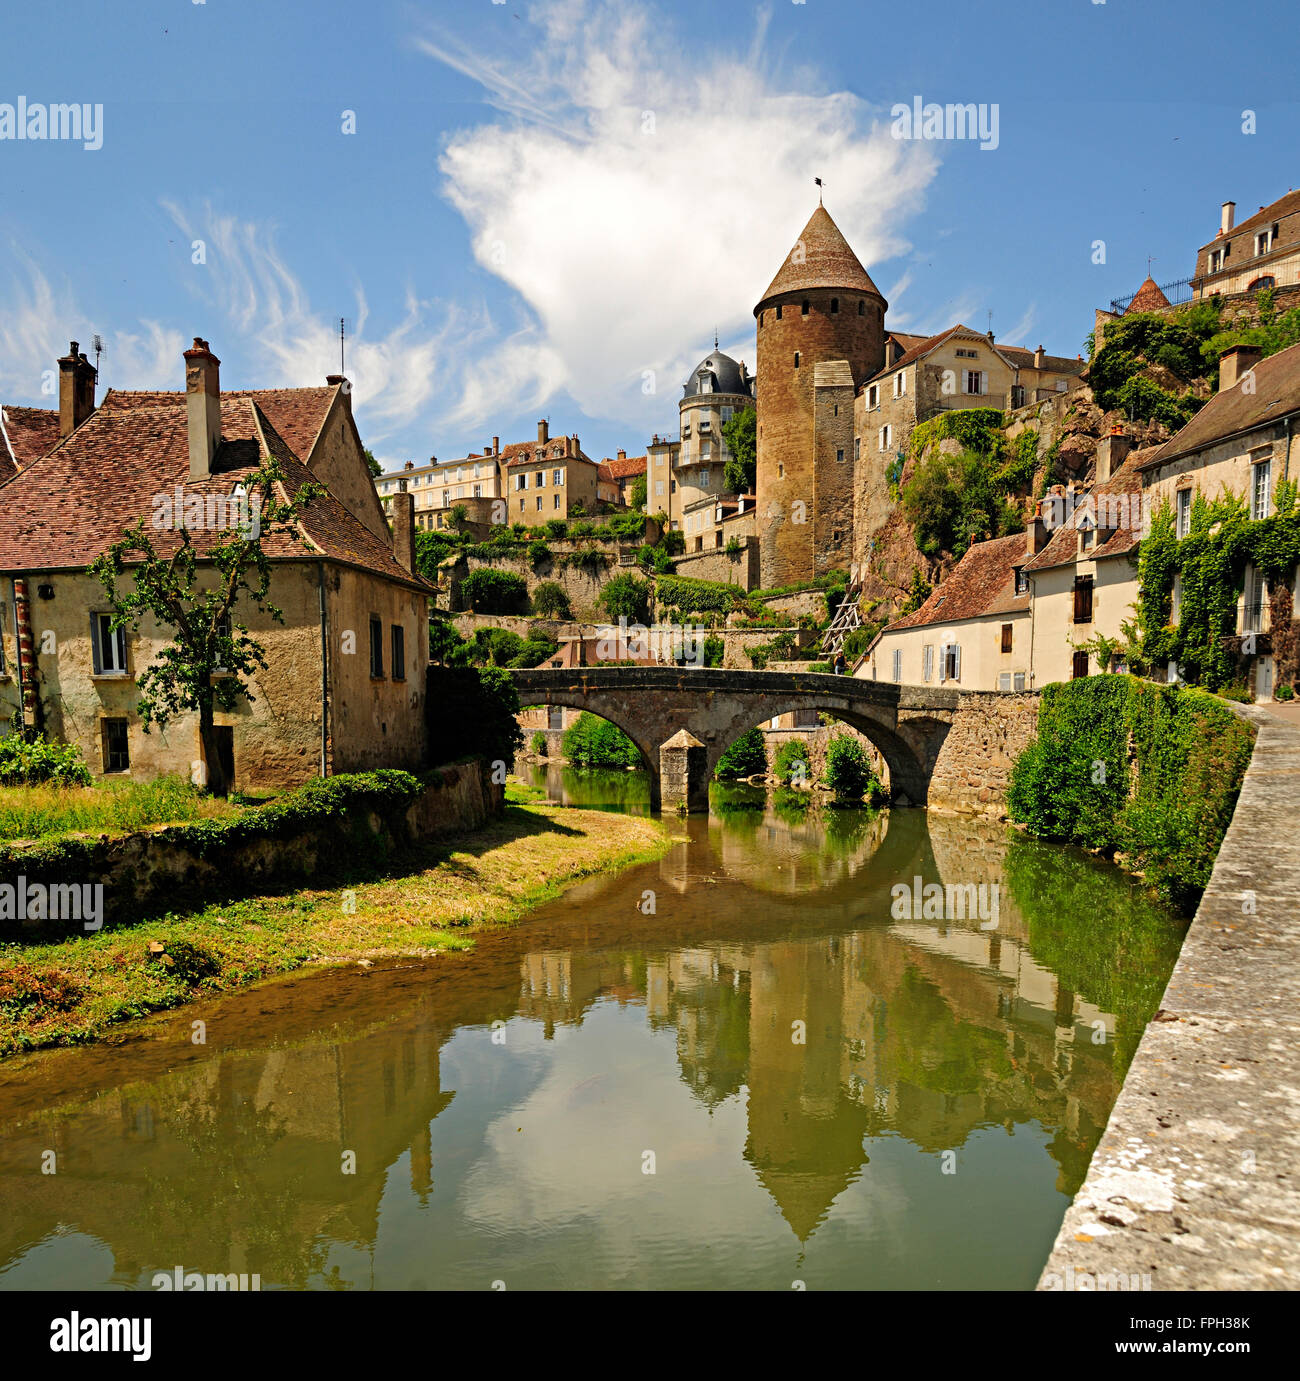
[[684, 719]]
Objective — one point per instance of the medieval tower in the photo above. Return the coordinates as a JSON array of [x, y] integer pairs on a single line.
[[821, 333]]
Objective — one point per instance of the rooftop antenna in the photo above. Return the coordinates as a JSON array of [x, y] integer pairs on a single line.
[[345, 325], [97, 345], [990, 324]]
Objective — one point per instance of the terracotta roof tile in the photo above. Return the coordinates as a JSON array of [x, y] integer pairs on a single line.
[[1148, 298], [1063, 546], [980, 583], [618, 469], [72, 504], [26, 434], [820, 258]]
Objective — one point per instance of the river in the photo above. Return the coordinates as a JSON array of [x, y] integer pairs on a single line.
[[739, 1067]]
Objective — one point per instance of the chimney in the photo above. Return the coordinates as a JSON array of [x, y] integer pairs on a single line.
[[202, 406], [404, 530], [622, 455], [1235, 363], [1040, 358], [1036, 534], [1111, 451], [76, 390], [543, 432], [496, 445], [410, 464], [1226, 216], [575, 447]]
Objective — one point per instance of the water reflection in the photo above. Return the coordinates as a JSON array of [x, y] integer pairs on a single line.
[[801, 1068]]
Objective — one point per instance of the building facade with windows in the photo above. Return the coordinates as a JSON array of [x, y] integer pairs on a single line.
[[715, 391], [972, 633], [1262, 251], [344, 685]]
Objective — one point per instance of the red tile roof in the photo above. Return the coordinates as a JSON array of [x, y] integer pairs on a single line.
[[73, 503], [1017, 356], [980, 583], [626, 467], [1063, 546], [1148, 298], [26, 434], [820, 258], [296, 413], [541, 452]]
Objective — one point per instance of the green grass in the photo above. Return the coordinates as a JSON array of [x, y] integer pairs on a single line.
[[46, 812]]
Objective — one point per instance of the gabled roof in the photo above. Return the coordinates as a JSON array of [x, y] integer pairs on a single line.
[[296, 413], [1016, 356], [1148, 298], [1063, 546], [526, 452], [73, 503], [625, 467], [820, 258], [981, 583], [1233, 411], [26, 434]]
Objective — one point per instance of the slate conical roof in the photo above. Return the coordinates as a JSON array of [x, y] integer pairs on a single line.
[[1148, 298], [821, 258]]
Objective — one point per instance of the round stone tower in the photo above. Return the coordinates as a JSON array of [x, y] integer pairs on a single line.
[[821, 333]]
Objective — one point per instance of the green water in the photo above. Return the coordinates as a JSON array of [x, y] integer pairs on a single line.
[[733, 1068]]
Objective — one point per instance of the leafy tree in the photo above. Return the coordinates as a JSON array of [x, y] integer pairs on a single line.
[[446, 646], [627, 596], [489, 591], [375, 468], [638, 493], [203, 668], [792, 761], [594, 742], [746, 757], [740, 432], [550, 601], [848, 769]]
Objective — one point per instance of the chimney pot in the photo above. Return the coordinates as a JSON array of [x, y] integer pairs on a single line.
[[543, 432], [622, 455], [1039, 358], [496, 445], [76, 389], [202, 406], [1226, 216]]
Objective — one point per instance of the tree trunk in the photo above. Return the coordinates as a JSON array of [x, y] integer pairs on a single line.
[[215, 776]]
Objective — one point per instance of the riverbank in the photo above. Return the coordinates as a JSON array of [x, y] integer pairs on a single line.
[[1192, 1186], [423, 901]]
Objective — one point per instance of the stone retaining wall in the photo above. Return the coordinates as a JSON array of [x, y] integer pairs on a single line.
[[973, 768]]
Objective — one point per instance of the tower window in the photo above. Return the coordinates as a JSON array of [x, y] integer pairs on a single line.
[[760, 321], [804, 309], [796, 359], [862, 307], [778, 311], [835, 305]]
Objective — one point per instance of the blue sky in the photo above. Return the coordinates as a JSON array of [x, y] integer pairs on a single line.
[[547, 208]]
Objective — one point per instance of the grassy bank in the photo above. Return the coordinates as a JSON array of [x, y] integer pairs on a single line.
[[427, 900], [49, 811]]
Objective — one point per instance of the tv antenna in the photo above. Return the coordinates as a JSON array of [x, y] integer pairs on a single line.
[[97, 345], [345, 325]]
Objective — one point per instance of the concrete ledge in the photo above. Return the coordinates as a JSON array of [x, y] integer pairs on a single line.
[[1193, 1185]]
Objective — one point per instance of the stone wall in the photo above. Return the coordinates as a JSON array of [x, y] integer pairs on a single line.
[[739, 568], [973, 768]]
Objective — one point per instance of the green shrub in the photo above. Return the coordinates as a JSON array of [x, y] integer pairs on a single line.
[[715, 650], [550, 601], [26, 761], [489, 591], [1284, 693], [627, 596], [538, 744], [1240, 693], [594, 742], [848, 770], [746, 757], [1168, 811], [699, 596], [557, 529], [533, 652], [733, 547], [792, 762], [538, 552]]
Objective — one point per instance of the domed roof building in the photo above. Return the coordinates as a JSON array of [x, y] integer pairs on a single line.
[[719, 373]]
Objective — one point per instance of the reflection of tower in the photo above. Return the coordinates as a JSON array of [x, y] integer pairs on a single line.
[[422, 1163], [821, 333], [805, 1135]]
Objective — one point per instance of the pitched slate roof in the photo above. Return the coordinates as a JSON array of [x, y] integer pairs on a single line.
[[26, 434], [72, 504], [1063, 546], [1233, 411], [1148, 298], [980, 583], [820, 258], [296, 413]]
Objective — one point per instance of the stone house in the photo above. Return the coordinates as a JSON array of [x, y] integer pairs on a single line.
[[1241, 442], [344, 686], [622, 472], [716, 390], [958, 368], [1262, 252], [973, 631]]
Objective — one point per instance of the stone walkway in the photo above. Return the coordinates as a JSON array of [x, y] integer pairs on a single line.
[[1194, 1183]]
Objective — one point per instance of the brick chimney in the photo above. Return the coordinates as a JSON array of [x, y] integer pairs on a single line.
[[1036, 534], [202, 406], [76, 390], [496, 445], [1226, 215], [622, 455], [404, 530], [543, 432], [1236, 362], [1040, 358], [1111, 451]]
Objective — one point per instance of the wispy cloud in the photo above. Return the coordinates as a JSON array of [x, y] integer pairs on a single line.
[[637, 196]]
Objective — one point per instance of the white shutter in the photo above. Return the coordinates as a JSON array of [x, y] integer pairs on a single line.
[[956, 661], [984, 382], [943, 662]]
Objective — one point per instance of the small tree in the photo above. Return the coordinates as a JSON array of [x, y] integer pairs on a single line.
[[746, 757], [792, 762], [741, 435], [550, 601], [638, 493], [374, 466], [848, 769], [627, 596], [204, 666]]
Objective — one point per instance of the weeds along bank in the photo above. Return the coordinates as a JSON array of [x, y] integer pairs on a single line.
[[1143, 773]]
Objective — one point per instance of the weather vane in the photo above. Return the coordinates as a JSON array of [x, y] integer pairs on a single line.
[[818, 181]]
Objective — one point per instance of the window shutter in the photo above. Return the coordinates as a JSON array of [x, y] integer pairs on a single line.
[[984, 381], [97, 656], [956, 661], [943, 662], [120, 637]]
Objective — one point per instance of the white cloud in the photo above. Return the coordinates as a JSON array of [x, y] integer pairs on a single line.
[[638, 192]]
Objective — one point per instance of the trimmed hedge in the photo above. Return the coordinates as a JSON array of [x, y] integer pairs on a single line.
[[1124, 766]]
